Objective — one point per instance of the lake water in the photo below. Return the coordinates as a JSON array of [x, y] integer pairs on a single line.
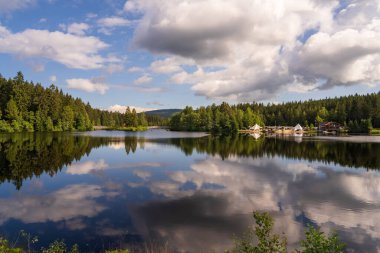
[[192, 192]]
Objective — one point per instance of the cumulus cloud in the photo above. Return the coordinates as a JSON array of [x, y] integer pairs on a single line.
[[343, 58], [149, 89], [143, 174], [78, 28], [107, 25], [88, 85], [169, 65], [9, 6], [254, 49], [86, 167], [135, 69], [38, 67], [53, 78], [114, 67], [73, 51], [143, 79], [65, 204], [123, 108], [113, 22]]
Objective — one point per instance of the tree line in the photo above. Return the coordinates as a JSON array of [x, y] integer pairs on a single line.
[[357, 113], [25, 106], [222, 119]]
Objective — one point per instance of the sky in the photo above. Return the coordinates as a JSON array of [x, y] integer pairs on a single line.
[[156, 54]]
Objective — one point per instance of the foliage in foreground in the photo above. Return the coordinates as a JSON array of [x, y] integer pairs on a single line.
[[6, 248], [55, 247], [268, 242]]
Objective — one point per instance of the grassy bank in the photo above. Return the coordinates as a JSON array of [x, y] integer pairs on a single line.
[[375, 131]]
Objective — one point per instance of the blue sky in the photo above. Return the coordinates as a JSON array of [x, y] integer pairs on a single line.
[[168, 54]]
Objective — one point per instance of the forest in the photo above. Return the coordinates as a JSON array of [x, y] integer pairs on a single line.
[[357, 113], [29, 107]]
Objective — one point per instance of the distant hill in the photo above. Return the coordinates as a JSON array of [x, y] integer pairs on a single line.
[[164, 113]]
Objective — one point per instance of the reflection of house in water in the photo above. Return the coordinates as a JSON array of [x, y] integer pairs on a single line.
[[329, 126], [256, 135], [298, 137]]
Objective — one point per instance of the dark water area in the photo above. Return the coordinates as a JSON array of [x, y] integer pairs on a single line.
[[191, 191]]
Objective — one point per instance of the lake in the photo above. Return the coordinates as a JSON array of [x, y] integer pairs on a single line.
[[191, 191]]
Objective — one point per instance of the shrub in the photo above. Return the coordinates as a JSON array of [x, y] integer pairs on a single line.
[[267, 242], [5, 248], [316, 241], [5, 127]]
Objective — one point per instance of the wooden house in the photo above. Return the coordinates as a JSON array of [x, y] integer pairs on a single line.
[[329, 126]]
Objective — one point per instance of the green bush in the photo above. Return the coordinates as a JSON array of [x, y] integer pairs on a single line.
[[316, 241], [60, 247], [27, 126], [267, 242], [5, 248], [5, 127], [17, 126], [374, 131]]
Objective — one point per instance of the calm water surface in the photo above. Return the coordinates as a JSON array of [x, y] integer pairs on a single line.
[[191, 191]]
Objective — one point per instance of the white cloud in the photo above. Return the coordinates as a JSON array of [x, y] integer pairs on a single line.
[[117, 108], [38, 67], [135, 69], [142, 174], [353, 57], [108, 24], [113, 22], [79, 52], [301, 88], [114, 67], [89, 85], [255, 49], [4, 32], [123, 108], [9, 6], [149, 89], [169, 65], [143, 79], [53, 78], [65, 204], [82, 168], [117, 145], [78, 28], [91, 16]]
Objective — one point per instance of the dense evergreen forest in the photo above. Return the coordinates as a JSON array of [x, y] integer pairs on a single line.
[[358, 113], [25, 106]]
